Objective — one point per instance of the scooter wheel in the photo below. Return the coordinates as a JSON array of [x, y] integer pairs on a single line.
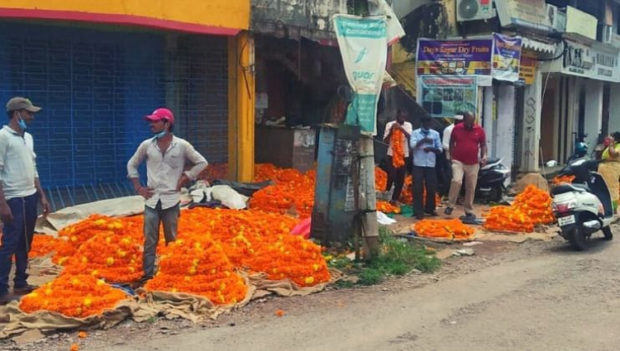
[[607, 232], [577, 239]]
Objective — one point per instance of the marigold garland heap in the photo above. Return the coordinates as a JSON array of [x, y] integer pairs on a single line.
[[74, 296], [452, 229], [535, 203], [508, 219]]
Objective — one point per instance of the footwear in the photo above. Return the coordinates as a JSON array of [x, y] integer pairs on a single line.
[[431, 214], [143, 280], [26, 289], [448, 211]]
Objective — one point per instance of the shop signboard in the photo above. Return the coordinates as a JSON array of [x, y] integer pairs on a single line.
[[588, 62], [446, 96], [524, 13], [363, 46], [466, 57], [527, 71], [506, 57]]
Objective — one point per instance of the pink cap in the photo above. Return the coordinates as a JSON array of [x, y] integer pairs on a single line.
[[161, 113]]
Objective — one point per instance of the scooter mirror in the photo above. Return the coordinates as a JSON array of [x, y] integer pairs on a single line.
[[551, 163]]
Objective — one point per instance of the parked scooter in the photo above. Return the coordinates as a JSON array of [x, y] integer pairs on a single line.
[[583, 207], [493, 179]]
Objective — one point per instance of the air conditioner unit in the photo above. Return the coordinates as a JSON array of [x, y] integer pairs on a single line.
[[607, 34], [557, 18], [473, 10]]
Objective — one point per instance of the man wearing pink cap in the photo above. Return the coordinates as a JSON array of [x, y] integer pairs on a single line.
[[166, 156]]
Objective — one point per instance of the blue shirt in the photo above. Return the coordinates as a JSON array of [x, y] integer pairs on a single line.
[[422, 158]]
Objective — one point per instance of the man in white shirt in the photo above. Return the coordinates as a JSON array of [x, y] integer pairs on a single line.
[[396, 176], [165, 156], [444, 165], [19, 191]]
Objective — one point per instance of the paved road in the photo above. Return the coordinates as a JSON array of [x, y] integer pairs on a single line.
[[557, 300]]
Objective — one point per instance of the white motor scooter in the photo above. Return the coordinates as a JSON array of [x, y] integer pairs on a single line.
[[583, 207]]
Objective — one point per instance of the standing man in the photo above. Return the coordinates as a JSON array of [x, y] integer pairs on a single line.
[[165, 156], [468, 149], [444, 166], [19, 190], [396, 175], [426, 145]]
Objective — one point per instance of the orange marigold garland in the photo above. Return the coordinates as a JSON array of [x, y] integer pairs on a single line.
[[452, 229], [398, 149], [42, 245], [108, 255], [74, 296], [387, 207], [509, 219], [535, 203], [198, 265]]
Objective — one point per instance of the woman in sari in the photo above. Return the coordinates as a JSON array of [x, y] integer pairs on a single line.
[[610, 168]]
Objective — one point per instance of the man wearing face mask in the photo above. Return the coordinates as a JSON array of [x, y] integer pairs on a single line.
[[19, 191], [165, 156], [468, 149], [426, 145]]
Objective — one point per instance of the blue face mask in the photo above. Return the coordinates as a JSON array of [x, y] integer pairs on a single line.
[[160, 134], [21, 123]]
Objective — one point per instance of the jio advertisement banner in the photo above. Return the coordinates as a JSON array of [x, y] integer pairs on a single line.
[[363, 46]]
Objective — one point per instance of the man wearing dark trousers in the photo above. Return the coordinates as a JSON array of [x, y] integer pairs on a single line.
[[426, 145], [20, 191], [396, 176]]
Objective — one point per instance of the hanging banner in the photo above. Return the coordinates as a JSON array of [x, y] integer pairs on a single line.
[[363, 46], [506, 57], [467, 57], [444, 96], [527, 69]]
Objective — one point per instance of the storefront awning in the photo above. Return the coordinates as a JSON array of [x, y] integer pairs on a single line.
[[538, 45], [219, 17]]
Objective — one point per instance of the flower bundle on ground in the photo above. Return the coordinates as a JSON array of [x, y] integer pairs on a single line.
[[387, 207], [508, 219], [536, 203], [292, 193], [197, 265], [452, 229], [74, 296]]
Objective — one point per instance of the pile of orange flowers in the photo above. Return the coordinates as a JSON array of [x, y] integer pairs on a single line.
[[536, 203], [380, 179], [508, 219], [198, 265], [387, 207], [74, 296], [452, 229], [42, 245], [398, 149], [562, 179], [292, 193]]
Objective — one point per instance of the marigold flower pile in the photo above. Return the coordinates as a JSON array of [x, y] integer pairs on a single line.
[[74, 296], [530, 208], [387, 207], [293, 191], [212, 246], [452, 229], [398, 149], [508, 219], [198, 265], [536, 203]]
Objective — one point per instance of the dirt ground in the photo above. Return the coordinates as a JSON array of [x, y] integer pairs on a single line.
[[535, 295]]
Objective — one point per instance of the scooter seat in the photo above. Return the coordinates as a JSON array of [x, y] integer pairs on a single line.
[[566, 188]]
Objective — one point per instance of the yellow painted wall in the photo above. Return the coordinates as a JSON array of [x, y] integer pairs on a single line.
[[219, 13]]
